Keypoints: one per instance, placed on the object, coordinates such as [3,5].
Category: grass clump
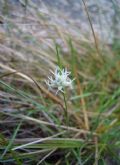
[33,128]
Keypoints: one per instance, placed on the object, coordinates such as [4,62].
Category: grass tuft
[32,125]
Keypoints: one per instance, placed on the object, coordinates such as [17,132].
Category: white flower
[60,80]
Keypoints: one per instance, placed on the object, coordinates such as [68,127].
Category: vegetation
[33,128]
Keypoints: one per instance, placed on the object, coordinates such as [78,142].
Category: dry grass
[30,113]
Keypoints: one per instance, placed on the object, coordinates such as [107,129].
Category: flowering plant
[60,80]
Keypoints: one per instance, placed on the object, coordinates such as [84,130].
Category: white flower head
[60,80]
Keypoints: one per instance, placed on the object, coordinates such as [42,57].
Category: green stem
[58,56]
[65,109]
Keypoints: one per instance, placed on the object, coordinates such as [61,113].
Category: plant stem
[65,109]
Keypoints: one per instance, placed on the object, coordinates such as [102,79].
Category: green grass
[33,128]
